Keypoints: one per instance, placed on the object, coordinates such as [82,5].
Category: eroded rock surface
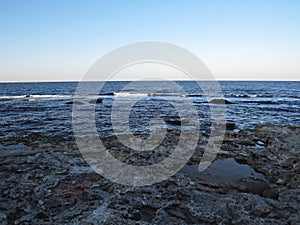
[47,181]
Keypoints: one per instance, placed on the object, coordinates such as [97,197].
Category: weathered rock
[183,213]
[46,181]
[253,186]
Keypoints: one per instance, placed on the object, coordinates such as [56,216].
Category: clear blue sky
[59,40]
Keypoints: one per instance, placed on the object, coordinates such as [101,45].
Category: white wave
[128,94]
[34,96]
[245,96]
[12,96]
[168,94]
[50,96]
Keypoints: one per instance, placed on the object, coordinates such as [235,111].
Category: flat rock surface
[254,180]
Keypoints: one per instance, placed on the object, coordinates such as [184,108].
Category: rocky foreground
[254,180]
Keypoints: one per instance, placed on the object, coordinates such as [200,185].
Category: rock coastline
[47,181]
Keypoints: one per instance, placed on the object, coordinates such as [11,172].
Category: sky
[238,40]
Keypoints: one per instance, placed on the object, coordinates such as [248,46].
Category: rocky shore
[254,180]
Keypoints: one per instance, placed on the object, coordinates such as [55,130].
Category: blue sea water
[41,107]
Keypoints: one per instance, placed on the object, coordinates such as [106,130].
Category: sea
[46,107]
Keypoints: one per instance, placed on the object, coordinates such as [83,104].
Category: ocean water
[41,107]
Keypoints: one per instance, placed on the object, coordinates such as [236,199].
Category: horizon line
[73,81]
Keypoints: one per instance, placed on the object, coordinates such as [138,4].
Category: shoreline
[46,181]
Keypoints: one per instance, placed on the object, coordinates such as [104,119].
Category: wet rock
[270,193]
[109,187]
[253,186]
[260,143]
[109,93]
[174,122]
[96,101]
[230,126]
[220,101]
[74,103]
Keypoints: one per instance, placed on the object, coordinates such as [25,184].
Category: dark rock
[41,215]
[50,183]
[183,213]
[256,187]
[147,213]
[74,103]
[174,122]
[247,142]
[270,193]
[230,126]
[253,186]
[220,101]
[108,187]
[109,93]
[195,95]
[137,215]
[96,101]
[84,196]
